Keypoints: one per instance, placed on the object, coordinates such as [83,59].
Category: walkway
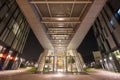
[98,75]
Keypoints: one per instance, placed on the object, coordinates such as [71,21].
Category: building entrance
[60,64]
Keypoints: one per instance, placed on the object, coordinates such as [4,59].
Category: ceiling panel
[60,20]
[77,10]
[42,8]
[60,10]
[61,17]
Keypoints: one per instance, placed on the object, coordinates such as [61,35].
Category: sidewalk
[105,75]
[13,72]
[22,74]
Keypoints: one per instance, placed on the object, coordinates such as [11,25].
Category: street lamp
[101,62]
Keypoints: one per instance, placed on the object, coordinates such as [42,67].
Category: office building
[107,30]
[14,30]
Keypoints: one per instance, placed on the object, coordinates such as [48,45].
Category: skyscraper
[107,31]
[14,30]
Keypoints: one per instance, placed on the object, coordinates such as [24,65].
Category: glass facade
[107,29]
[55,61]
[62,63]
[14,30]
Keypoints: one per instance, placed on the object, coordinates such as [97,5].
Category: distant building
[97,56]
[107,32]
[14,30]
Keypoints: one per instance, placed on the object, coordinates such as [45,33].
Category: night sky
[32,48]
[88,45]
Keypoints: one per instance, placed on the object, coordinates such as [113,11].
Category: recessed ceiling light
[60,19]
[59,40]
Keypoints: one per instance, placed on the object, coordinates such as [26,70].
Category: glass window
[16,13]
[22,26]
[12,9]
[3,11]
[117,15]
[19,19]
[18,33]
[10,3]
[2,2]
[1,48]
[15,43]
[5,34]
[15,28]
[118,11]
[112,23]
[11,22]
[10,38]
[4,21]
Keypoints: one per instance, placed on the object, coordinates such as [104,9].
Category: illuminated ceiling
[60,23]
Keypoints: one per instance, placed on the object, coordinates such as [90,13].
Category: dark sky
[88,45]
[32,48]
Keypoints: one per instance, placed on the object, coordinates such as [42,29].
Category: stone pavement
[98,75]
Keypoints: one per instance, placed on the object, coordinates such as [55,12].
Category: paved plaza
[23,75]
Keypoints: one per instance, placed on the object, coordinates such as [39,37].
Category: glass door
[60,63]
[49,64]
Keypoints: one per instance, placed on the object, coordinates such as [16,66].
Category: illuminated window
[15,28]
[118,11]
[112,23]
[1,47]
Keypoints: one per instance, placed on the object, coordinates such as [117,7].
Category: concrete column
[41,61]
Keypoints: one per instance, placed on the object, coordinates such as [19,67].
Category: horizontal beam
[55,18]
[60,2]
[60,45]
[60,22]
[63,28]
[60,33]
[59,40]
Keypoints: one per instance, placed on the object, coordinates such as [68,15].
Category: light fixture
[60,19]
[16,58]
[110,58]
[1,55]
[100,60]
[118,56]
[8,56]
[59,44]
[59,40]
[104,59]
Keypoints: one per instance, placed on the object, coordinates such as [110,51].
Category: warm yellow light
[8,56]
[16,58]
[1,55]
[118,56]
[59,40]
[60,19]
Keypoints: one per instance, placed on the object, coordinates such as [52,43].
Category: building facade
[60,61]
[107,32]
[14,30]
